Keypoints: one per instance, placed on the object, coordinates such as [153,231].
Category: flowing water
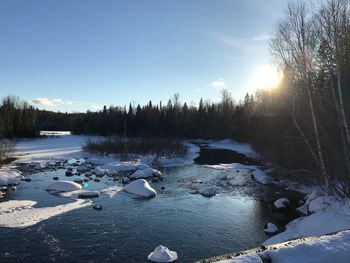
[127,229]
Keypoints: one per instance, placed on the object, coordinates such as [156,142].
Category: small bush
[7,150]
[167,147]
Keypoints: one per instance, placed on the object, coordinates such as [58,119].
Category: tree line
[303,125]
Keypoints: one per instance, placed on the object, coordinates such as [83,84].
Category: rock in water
[270,228]
[97,207]
[140,187]
[63,186]
[207,191]
[162,254]
[281,203]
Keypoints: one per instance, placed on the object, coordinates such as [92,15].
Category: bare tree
[294,45]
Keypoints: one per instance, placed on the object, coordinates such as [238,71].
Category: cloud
[217,84]
[48,102]
[238,42]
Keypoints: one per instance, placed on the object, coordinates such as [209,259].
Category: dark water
[128,229]
[216,156]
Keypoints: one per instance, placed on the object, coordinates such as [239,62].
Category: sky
[74,55]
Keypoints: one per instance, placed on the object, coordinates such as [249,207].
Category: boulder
[99,172]
[207,191]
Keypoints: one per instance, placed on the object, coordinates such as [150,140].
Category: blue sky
[73,55]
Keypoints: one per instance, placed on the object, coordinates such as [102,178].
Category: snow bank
[333,248]
[162,254]
[120,167]
[18,214]
[334,217]
[230,166]
[10,176]
[145,173]
[140,187]
[251,258]
[63,186]
[192,153]
[48,148]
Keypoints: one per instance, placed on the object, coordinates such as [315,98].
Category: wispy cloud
[238,42]
[217,84]
[50,102]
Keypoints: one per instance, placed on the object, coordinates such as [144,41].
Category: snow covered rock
[140,187]
[270,228]
[10,176]
[63,186]
[207,191]
[145,173]
[162,254]
[281,203]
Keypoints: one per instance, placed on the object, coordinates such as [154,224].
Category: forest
[302,125]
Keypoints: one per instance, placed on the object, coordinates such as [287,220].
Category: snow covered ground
[42,153]
[330,248]
[21,213]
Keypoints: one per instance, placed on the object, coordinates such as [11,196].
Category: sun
[267,77]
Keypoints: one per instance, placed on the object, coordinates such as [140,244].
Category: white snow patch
[334,217]
[63,186]
[111,190]
[251,258]
[145,173]
[18,214]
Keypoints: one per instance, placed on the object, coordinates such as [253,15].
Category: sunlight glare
[267,77]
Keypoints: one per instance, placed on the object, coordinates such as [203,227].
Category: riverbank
[41,160]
